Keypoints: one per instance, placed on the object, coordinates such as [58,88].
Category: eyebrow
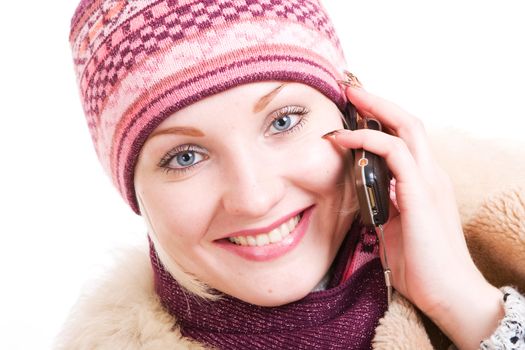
[266,99]
[181,130]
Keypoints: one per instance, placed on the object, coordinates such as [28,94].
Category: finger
[395,152]
[403,124]
[394,205]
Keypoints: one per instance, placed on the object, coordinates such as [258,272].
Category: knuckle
[413,127]
[398,145]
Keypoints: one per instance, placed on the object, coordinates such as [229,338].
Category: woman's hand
[427,252]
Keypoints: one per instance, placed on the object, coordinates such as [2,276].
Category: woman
[221,123]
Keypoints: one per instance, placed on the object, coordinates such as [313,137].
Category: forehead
[254,97]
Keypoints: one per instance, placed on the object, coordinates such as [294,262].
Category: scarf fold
[344,316]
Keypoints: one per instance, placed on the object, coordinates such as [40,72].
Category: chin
[277,296]
[272,299]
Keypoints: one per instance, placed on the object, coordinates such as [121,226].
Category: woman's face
[243,192]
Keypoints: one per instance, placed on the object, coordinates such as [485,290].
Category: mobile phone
[371,173]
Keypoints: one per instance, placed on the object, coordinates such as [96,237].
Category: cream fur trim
[496,238]
[401,328]
[123,312]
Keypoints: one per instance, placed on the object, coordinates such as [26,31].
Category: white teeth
[251,241]
[290,226]
[284,230]
[262,239]
[274,236]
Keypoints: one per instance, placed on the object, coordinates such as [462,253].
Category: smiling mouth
[274,236]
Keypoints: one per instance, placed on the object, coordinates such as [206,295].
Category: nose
[252,185]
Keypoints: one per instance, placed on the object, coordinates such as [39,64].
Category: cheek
[179,214]
[322,166]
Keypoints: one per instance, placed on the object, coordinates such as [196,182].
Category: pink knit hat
[137,62]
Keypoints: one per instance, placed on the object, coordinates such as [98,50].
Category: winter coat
[124,312]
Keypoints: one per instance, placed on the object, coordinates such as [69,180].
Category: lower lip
[272,250]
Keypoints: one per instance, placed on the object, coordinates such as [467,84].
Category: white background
[455,63]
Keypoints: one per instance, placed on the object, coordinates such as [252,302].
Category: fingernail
[351,80]
[330,135]
[344,82]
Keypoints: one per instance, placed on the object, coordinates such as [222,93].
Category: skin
[249,175]
[251,178]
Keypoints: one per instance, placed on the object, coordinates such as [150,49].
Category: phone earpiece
[350,114]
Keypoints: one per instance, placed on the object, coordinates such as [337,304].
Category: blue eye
[182,158]
[186,159]
[282,123]
[287,120]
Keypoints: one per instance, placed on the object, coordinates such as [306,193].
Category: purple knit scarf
[343,316]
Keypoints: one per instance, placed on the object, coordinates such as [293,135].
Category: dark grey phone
[372,175]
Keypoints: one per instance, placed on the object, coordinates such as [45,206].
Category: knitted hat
[137,62]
